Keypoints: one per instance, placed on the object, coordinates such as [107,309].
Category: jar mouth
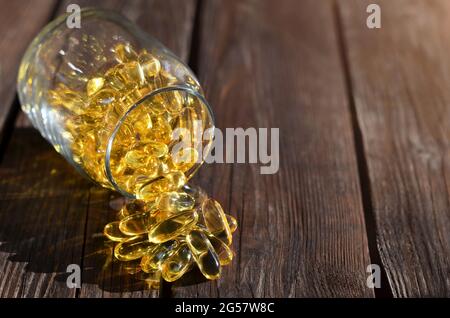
[181,88]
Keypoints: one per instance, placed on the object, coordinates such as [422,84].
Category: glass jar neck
[140,103]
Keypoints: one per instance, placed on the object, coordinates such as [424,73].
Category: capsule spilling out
[169,182]
[176,225]
[204,254]
[153,259]
[113,232]
[175,201]
[177,264]
[216,220]
[136,224]
[132,248]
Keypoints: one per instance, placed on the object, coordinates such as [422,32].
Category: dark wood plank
[19,23]
[39,245]
[43,208]
[301,231]
[51,217]
[400,78]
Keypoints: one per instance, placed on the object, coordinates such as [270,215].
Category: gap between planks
[385,290]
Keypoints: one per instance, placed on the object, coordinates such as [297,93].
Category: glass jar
[117,104]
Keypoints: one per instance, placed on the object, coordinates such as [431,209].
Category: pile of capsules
[173,233]
[171,226]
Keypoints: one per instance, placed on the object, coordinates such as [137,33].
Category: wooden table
[364,118]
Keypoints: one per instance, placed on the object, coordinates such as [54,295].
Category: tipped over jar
[117,104]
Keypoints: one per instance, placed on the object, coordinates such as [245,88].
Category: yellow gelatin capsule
[204,254]
[175,201]
[65,97]
[135,206]
[151,169]
[94,85]
[174,102]
[136,224]
[169,182]
[132,248]
[154,105]
[185,158]
[135,182]
[162,130]
[143,124]
[162,168]
[232,222]
[152,260]
[177,264]
[145,163]
[166,78]
[150,64]
[132,96]
[132,207]
[177,179]
[173,226]
[135,158]
[185,121]
[156,149]
[114,78]
[216,221]
[103,101]
[113,232]
[191,120]
[223,251]
[134,73]
[124,139]
[125,53]
[196,192]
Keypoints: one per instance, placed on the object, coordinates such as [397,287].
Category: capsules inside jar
[138,125]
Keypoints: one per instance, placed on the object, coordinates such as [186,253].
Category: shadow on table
[51,217]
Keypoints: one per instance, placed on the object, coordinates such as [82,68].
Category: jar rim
[120,122]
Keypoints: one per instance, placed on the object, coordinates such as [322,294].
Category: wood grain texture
[301,231]
[43,208]
[400,78]
[85,208]
[20,21]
